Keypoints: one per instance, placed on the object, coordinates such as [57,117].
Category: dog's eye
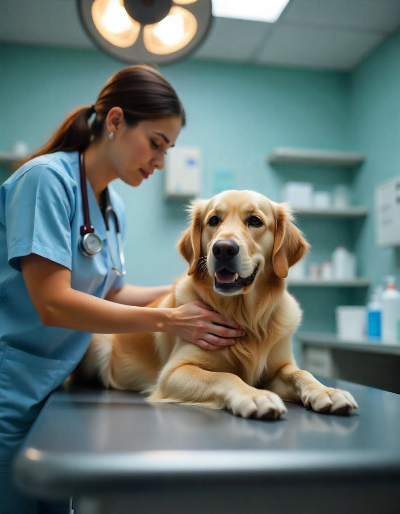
[253,221]
[213,221]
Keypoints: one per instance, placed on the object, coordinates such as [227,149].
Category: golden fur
[251,377]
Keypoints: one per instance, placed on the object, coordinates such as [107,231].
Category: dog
[239,247]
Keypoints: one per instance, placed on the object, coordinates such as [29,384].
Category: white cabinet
[387,208]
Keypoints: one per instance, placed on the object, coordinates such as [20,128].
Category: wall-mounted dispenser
[183,172]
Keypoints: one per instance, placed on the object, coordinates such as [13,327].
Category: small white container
[351,323]
[326,270]
[341,196]
[390,311]
[343,264]
[298,271]
[315,270]
[298,194]
[20,149]
[322,199]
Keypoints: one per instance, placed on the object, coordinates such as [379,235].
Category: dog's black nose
[225,250]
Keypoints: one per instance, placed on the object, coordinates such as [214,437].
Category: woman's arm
[49,287]
[136,295]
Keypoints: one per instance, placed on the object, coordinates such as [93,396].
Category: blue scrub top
[41,212]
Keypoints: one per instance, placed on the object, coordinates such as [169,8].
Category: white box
[322,199]
[387,213]
[298,271]
[183,172]
[351,322]
[298,194]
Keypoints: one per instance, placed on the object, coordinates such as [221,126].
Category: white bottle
[390,311]
[326,270]
[340,261]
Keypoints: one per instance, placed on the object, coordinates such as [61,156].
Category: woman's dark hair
[141,92]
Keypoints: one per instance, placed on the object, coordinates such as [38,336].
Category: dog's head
[238,235]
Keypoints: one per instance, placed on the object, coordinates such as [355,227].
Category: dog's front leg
[186,383]
[294,384]
[284,378]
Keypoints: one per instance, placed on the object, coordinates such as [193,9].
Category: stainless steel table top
[94,442]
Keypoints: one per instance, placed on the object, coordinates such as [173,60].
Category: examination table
[115,453]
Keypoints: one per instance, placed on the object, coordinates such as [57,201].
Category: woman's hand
[197,323]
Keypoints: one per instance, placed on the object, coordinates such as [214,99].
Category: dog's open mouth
[227,279]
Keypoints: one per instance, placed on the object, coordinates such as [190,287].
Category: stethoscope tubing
[87,230]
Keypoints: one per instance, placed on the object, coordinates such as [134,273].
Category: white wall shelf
[331,212]
[7,158]
[311,282]
[311,157]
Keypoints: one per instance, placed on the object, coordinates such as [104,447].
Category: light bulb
[114,23]
[172,33]
[170,30]
[115,18]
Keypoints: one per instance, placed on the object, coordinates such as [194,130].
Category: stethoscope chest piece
[90,244]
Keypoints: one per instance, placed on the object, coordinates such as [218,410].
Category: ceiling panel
[328,34]
[382,15]
[233,39]
[42,22]
[315,47]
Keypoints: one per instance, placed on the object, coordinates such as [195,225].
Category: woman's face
[136,152]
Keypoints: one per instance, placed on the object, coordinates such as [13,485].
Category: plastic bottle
[374,316]
[326,270]
[390,311]
[340,261]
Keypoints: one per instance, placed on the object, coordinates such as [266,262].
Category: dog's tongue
[225,276]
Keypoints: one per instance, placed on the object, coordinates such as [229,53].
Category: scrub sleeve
[38,220]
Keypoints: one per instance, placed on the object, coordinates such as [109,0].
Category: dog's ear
[289,243]
[190,243]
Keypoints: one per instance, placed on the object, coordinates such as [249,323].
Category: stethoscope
[90,243]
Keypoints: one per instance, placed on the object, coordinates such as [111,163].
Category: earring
[111,135]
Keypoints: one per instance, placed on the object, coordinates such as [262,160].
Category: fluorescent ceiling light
[257,10]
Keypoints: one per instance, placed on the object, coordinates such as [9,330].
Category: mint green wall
[236,114]
[375,121]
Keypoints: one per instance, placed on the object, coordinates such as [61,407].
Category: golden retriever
[239,247]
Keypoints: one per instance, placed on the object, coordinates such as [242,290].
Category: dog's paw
[258,404]
[329,400]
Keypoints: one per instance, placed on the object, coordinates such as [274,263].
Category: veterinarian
[62,229]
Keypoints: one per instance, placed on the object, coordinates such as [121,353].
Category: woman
[55,288]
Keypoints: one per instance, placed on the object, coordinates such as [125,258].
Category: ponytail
[73,134]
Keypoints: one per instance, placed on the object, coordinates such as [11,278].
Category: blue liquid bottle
[374,316]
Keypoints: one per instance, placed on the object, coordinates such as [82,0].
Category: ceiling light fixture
[146,31]
[256,10]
